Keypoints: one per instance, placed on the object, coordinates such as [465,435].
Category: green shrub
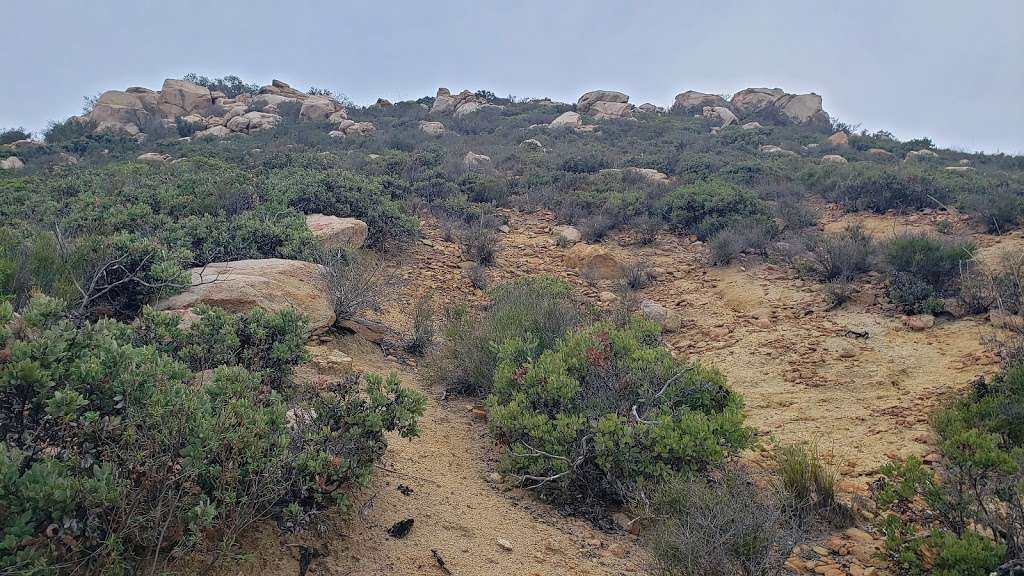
[999,212]
[423,326]
[607,409]
[721,526]
[537,307]
[706,208]
[9,135]
[924,268]
[116,458]
[874,187]
[976,506]
[356,282]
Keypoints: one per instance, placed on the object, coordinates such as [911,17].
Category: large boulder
[567,120]
[116,107]
[279,88]
[271,101]
[271,284]
[606,110]
[801,108]
[213,132]
[720,114]
[839,140]
[594,262]
[335,232]
[753,100]
[13,164]
[181,98]
[696,101]
[443,102]
[153,158]
[318,108]
[432,128]
[253,122]
[590,98]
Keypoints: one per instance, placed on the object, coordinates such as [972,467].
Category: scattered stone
[588,100]
[330,362]
[567,120]
[494,478]
[919,155]
[919,322]
[667,319]
[833,159]
[504,544]
[720,114]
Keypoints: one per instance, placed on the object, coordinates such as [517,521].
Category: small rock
[504,544]
[919,322]
[494,478]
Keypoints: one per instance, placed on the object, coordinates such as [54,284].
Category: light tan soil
[854,381]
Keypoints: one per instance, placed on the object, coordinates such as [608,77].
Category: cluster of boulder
[463,103]
[754,103]
[211,114]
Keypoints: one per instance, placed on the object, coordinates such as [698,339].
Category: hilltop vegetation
[139,439]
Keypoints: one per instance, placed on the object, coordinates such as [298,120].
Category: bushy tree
[606,409]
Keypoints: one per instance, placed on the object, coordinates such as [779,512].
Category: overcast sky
[946,69]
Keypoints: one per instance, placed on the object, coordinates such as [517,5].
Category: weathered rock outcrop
[720,114]
[696,101]
[181,98]
[587,101]
[13,163]
[335,232]
[432,128]
[271,284]
[567,120]
[460,105]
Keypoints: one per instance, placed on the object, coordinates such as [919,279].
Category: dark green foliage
[539,307]
[230,85]
[869,186]
[116,455]
[113,276]
[10,135]
[708,207]
[923,268]
[607,409]
[999,211]
[978,503]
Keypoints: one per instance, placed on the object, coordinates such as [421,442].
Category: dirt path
[457,510]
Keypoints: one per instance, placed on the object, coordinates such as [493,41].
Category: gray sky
[946,69]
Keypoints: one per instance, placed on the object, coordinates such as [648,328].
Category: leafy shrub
[735,239]
[10,135]
[721,526]
[637,274]
[923,268]
[114,459]
[480,243]
[707,207]
[113,276]
[840,256]
[999,212]
[356,282]
[423,326]
[606,409]
[978,504]
[232,86]
[537,307]
[869,186]
[594,228]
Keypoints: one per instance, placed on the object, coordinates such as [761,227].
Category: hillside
[255,330]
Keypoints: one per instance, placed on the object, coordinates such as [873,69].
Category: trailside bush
[841,256]
[540,308]
[115,456]
[923,268]
[706,207]
[874,187]
[607,409]
[722,525]
[976,506]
